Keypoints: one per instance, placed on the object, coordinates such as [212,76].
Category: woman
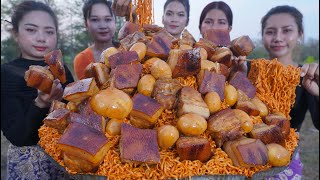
[176,16]
[282,32]
[100,23]
[23,108]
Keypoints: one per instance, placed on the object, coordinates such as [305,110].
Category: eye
[168,13]
[269,32]
[94,19]
[207,22]
[287,30]
[30,30]
[181,14]
[108,19]
[50,32]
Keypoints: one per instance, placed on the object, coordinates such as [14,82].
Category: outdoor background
[73,38]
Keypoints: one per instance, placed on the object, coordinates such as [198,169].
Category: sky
[247,15]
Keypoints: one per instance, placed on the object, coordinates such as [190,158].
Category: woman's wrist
[41,104]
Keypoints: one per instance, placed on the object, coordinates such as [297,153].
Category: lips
[40,48]
[103,33]
[173,26]
[277,48]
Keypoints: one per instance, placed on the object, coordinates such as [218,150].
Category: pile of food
[159,107]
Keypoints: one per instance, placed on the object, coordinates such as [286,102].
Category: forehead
[33,17]
[100,9]
[175,6]
[281,20]
[216,14]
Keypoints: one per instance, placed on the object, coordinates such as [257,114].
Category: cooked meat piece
[219,37]
[39,77]
[151,29]
[125,76]
[187,38]
[138,145]
[207,45]
[54,60]
[224,126]
[222,55]
[81,143]
[212,82]
[246,152]
[185,63]
[242,46]
[221,69]
[57,119]
[267,134]
[131,39]
[80,90]
[145,109]
[57,105]
[123,57]
[194,148]
[160,45]
[248,107]
[240,81]
[190,101]
[165,92]
[280,121]
[100,72]
[127,29]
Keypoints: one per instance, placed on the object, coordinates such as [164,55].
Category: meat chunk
[138,145]
[145,111]
[187,38]
[242,46]
[248,107]
[212,82]
[240,81]
[267,134]
[185,62]
[39,77]
[190,101]
[57,105]
[165,92]
[123,57]
[207,45]
[160,45]
[219,37]
[57,119]
[80,90]
[246,152]
[83,147]
[131,39]
[54,60]
[224,126]
[194,148]
[222,55]
[100,72]
[127,29]
[281,121]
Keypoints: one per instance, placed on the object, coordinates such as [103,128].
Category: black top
[304,101]
[20,118]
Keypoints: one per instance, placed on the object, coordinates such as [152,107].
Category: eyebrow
[173,11]
[33,25]
[98,16]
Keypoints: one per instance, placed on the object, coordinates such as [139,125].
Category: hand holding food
[310,74]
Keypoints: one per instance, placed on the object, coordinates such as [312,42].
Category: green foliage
[9,50]
[310,59]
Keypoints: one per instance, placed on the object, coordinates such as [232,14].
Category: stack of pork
[139,80]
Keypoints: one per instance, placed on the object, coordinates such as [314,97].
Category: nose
[41,37]
[277,37]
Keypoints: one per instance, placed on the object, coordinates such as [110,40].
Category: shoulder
[84,54]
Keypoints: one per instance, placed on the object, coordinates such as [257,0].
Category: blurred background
[73,38]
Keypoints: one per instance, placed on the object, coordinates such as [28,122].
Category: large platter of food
[159,107]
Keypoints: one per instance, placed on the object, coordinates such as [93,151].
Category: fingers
[311,71]
[121,7]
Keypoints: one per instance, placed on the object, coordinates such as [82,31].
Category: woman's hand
[44,100]
[310,74]
[121,7]
[239,64]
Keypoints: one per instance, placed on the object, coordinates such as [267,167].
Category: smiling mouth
[40,48]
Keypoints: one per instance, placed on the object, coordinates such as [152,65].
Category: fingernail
[302,74]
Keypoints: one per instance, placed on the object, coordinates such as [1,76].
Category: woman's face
[280,35]
[101,24]
[215,19]
[175,18]
[36,36]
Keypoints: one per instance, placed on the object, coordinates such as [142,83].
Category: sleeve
[19,123]
[80,63]
[313,106]
[69,76]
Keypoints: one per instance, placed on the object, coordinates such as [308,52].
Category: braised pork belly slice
[54,60]
[219,37]
[88,117]
[127,29]
[267,134]
[55,104]
[248,107]
[165,92]
[160,45]
[194,148]
[240,81]
[131,39]
[242,46]
[246,152]
[184,63]
[138,145]
[190,101]
[222,55]
[282,122]
[224,126]
[80,90]
[145,111]
[151,29]
[123,57]
[125,76]
[187,38]
[99,71]
[207,45]
[57,119]
[39,77]
[81,143]
[211,82]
